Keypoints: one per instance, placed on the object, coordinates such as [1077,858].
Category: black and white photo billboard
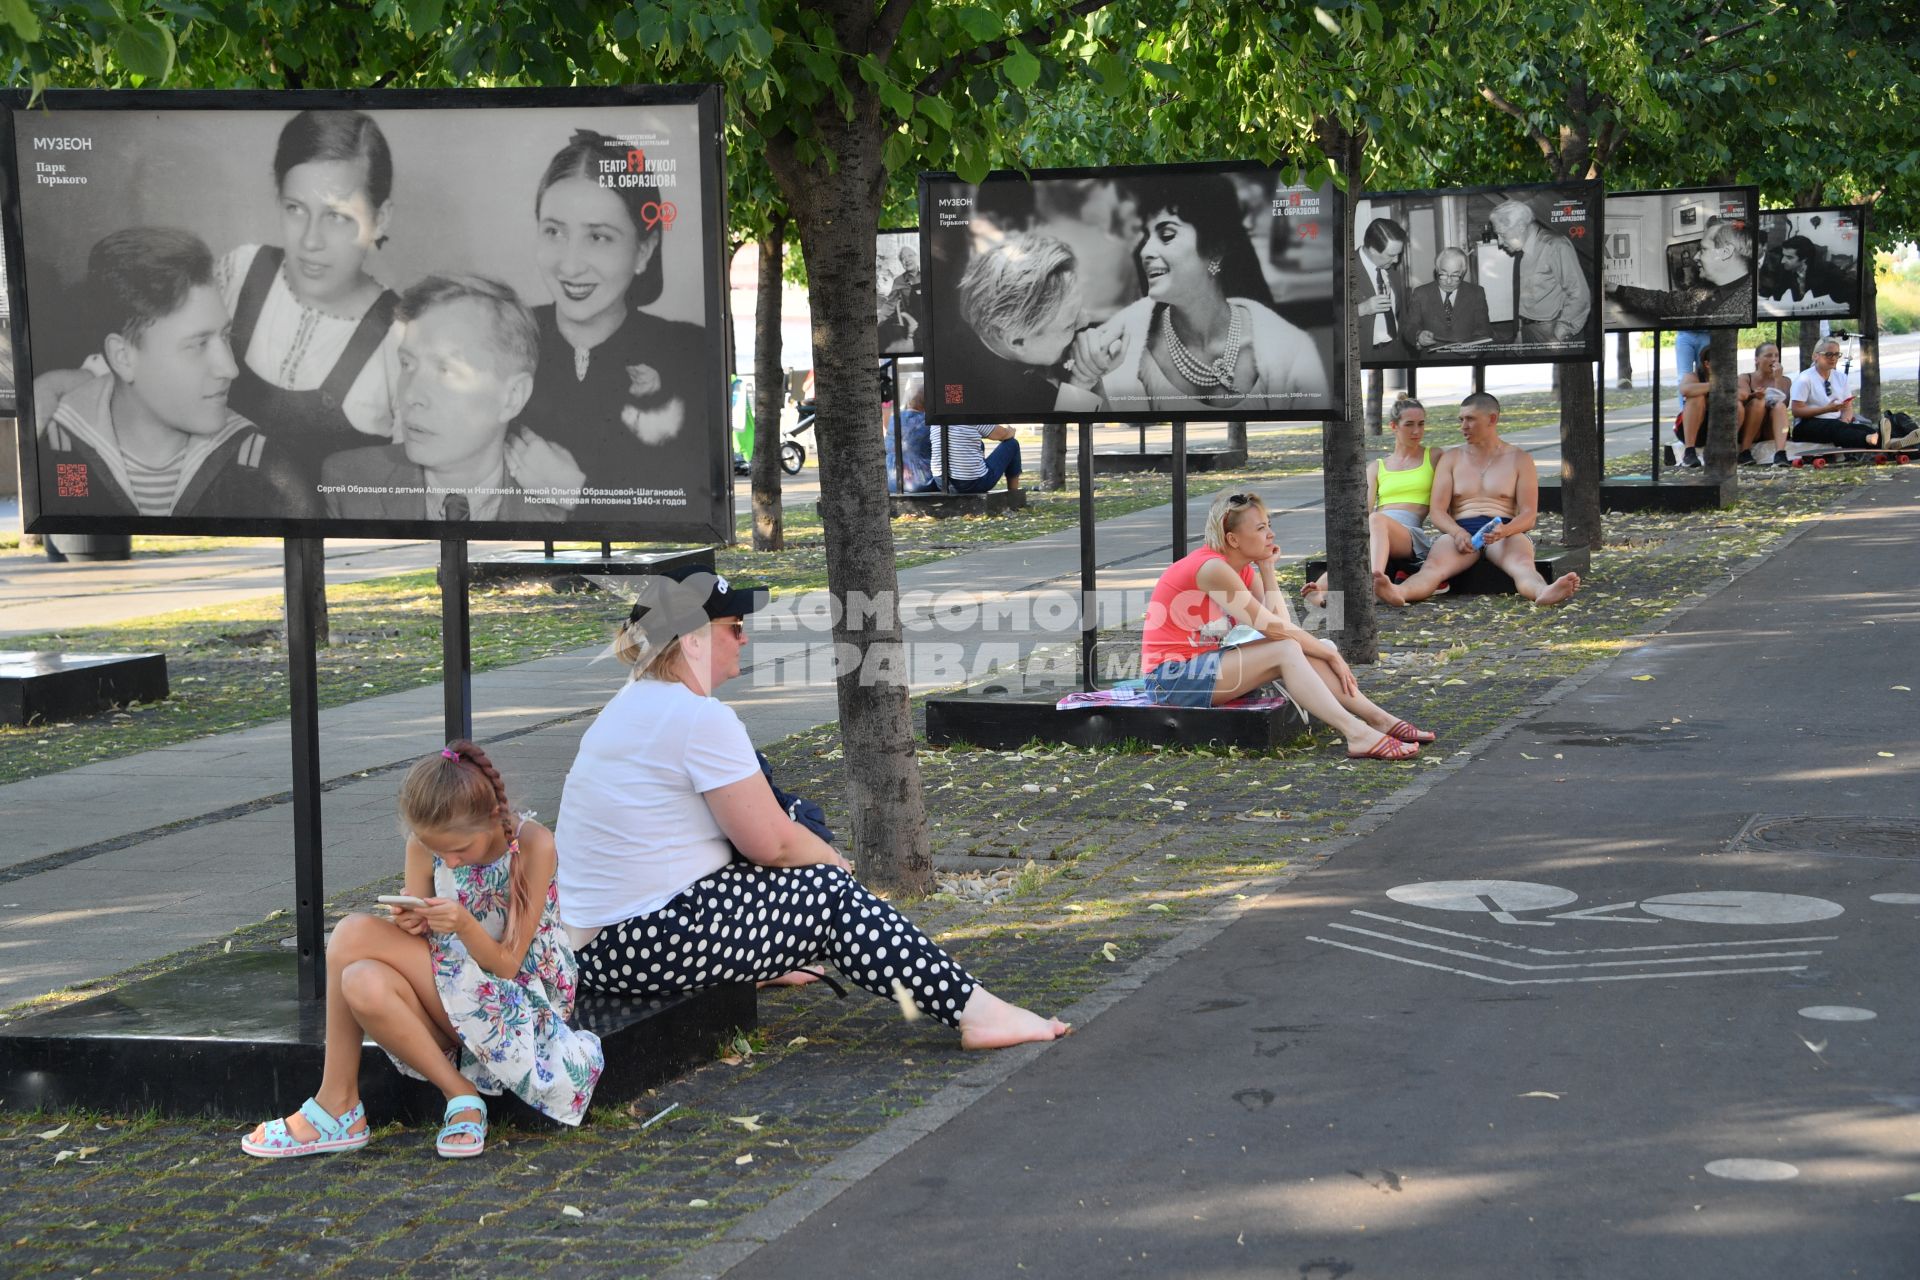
[1482,275]
[1131,295]
[903,298]
[1680,259]
[1810,263]
[495,312]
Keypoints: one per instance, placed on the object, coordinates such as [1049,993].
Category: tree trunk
[1376,400]
[1237,434]
[1579,455]
[1623,360]
[1343,448]
[1053,456]
[1723,409]
[835,202]
[1869,322]
[769,390]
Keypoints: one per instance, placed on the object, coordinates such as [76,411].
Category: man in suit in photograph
[1449,309]
[467,358]
[1376,264]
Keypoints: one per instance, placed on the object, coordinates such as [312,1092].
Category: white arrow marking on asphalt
[1898,899]
[1594,951]
[1600,913]
[1584,964]
[1545,982]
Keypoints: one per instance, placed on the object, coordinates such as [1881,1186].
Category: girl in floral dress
[470,992]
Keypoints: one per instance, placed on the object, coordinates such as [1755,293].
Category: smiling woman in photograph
[1205,335]
[617,387]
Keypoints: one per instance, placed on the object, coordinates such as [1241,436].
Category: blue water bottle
[1479,539]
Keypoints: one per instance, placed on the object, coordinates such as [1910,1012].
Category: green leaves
[1022,68]
[145,49]
[16,15]
[423,16]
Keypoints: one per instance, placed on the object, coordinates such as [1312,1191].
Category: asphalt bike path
[1630,996]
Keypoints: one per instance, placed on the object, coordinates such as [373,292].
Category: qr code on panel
[956,393]
[71,478]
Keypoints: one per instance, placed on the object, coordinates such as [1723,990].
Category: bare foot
[1385,592]
[1316,593]
[1559,591]
[792,978]
[988,1022]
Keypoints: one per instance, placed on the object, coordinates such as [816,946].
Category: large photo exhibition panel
[485,314]
[1682,259]
[901,293]
[1483,275]
[1132,295]
[1811,262]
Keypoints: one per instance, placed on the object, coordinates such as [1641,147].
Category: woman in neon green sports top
[1399,487]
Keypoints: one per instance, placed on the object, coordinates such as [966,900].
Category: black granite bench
[229,1036]
[1005,713]
[1133,460]
[939,506]
[571,570]
[44,688]
[1483,577]
[1674,491]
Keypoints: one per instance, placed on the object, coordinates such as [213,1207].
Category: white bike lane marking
[1502,900]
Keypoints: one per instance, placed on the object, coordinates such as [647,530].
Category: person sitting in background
[468,352]
[1822,403]
[153,436]
[1449,309]
[960,456]
[1231,580]
[1399,487]
[1763,404]
[1725,291]
[1695,387]
[915,470]
[1489,488]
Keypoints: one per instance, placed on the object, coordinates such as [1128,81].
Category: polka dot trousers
[747,923]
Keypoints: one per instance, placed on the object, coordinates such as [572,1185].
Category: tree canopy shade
[833,97]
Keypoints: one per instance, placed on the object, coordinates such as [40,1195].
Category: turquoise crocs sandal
[455,1129]
[332,1134]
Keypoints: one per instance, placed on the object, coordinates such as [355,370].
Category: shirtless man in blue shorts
[1472,484]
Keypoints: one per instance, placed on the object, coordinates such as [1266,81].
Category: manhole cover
[1845,837]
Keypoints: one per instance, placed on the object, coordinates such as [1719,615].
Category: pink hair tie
[449,753]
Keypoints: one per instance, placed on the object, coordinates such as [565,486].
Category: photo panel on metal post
[902,294]
[1680,259]
[1811,262]
[445,314]
[1139,294]
[8,405]
[1478,275]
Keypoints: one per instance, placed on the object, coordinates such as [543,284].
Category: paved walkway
[113,864]
[1627,997]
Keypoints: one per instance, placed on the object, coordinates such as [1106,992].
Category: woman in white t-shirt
[678,868]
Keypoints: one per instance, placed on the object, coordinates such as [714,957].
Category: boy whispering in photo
[153,436]
[468,352]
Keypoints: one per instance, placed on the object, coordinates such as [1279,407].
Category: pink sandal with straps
[1387,748]
[1407,733]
